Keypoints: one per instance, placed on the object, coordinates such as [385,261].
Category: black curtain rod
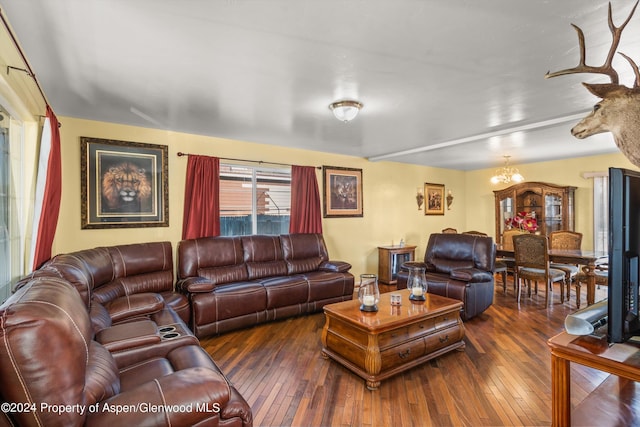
[181,154]
[28,69]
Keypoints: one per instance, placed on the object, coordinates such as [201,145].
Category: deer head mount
[619,110]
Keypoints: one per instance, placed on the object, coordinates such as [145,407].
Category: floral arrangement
[525,221]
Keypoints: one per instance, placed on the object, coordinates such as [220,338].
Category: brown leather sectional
[459,266]
[235,282]
[99,337]
[102,337]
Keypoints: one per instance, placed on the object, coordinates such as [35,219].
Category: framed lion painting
[123,184]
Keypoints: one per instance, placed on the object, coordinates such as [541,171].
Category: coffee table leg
[373,385]
[372,361]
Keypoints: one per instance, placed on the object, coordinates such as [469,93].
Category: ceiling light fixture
[345,110]
[506,174]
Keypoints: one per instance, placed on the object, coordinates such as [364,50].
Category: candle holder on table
[368,293]
[416,283]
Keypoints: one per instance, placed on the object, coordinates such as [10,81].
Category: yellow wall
[480,200]
[390,209]
[389,189]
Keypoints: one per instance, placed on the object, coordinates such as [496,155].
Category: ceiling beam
[480,136]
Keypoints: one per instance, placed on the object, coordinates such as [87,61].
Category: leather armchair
[459,266]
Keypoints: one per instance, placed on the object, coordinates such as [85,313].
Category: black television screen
[624,249]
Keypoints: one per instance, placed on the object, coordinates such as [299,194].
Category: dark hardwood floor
[501,378]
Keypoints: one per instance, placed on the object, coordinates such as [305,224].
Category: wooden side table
[390,259]
[621,359]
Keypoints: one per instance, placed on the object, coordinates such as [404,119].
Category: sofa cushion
[228,301]
[285,291]
[84,269]
[447,252]
[141,258]
[263,256]
[218,259]
[101,378]
[303,252]
[157,281]
[326,285]
[471,275]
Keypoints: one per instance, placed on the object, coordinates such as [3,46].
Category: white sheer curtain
[601,213]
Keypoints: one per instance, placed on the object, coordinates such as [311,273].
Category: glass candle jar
[368,293]
[417,283]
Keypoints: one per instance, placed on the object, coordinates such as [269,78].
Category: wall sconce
[420,197]
[449,199]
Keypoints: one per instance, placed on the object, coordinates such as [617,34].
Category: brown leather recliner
[55,374]
[459,266]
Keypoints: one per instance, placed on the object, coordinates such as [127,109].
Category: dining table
[588,259]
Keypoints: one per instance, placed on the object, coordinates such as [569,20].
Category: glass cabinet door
[507,212]
[553,212]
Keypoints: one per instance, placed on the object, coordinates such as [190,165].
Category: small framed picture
[342,192]
[434,198]
[123,184]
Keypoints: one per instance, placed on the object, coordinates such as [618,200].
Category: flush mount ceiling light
[345,110]
[506,174]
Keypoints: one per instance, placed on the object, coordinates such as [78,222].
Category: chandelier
[506,174]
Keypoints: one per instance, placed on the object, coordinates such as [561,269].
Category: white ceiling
[437,78]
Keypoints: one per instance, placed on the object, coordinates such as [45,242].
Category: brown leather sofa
[458,266]
[235,282]
[54,373]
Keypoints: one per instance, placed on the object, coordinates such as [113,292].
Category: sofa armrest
[335,266]
[195,285]
[185,397]
[413,264]
[129,335]
[135,305]
[471,275]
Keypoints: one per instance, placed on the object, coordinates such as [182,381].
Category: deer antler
[605,68]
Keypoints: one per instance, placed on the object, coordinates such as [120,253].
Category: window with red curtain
[201,198]
[306,216]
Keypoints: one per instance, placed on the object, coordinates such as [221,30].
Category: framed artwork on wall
[123,184]
[342,192]
[434,195]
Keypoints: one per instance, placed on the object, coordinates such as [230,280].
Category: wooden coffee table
[394,339]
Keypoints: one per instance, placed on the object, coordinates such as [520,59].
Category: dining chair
[531,253]
[570,240]
[507,261]
[450,230]
[601,276]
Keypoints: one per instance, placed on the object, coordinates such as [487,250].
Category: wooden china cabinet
[553,206]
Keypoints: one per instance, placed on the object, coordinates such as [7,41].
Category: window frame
[256,173]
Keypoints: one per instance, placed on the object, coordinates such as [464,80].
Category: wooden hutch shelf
[553,206]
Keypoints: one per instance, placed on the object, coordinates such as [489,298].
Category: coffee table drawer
[402,354]
[411,350]
[416,330]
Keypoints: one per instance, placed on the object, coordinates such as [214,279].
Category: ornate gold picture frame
[342,192]
[434,199]
[123,184]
